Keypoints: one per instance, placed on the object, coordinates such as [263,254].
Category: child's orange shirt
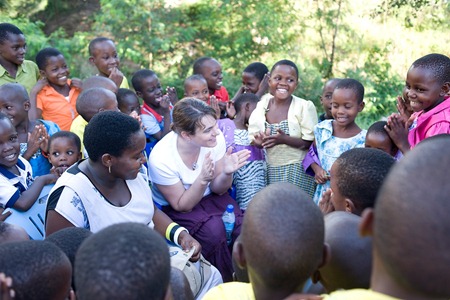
[56,108]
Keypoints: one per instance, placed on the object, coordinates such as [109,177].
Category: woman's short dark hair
[109,132]
[188,114]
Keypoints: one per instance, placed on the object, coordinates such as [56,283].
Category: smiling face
[13,48]
[423,90]
[56,70]
[63,152]
[151,91]
[14,104]
[128,165]
[105,57]
[283,82]
[206,135]
[250,82]
[9,144]
[345,106]
[197,89]
[212,71]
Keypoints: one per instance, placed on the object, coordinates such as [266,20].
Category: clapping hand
[234,161]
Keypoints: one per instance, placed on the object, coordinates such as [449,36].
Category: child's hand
[58,171]
[4,216]
[234,161]
[263,85]
[35,138]
[320,175]
[116,76]
[272,140]
[49,178]
[231,111]
[39,85]
[325,204]
[44,139]
[172,93]
[259,139]
[164,103]
[398,132]
[6,290]
[214,103]
[76,82]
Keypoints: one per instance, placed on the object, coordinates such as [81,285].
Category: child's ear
[445,89]
[26,105]
[239,255]
[366,224]
[92,60]
[361,106]
[139,94]
[349,206]
[247,106]
[80,155]
[42,73]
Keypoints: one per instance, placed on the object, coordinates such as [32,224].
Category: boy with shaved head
[410,228]
[280,245]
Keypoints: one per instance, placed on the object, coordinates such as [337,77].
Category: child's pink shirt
[433,122]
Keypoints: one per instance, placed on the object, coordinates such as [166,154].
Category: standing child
[54,97]
[283,124]
[195,86]
[128,102]
[32,135]
[13,65]
[211,70]
[427,88]
[325,99]
[156,112]
[251,178]
[333,137]
[255,78]
[103,55]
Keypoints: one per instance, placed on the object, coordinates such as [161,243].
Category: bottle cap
[230,208]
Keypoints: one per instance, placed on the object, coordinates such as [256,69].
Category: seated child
[14,68]
[39,270]
[138,272]
[378,138]
[156,111]
[18,188]
[355,179]
[69,241]
[195,86]
[211,70]
[409,228]
[56,95]
[32,135]
[427,89]
[350,262]
[325,99]
[12,233]
[103,55]
[249,179]
[89,103]
[128,102]
[64,150]
[296,227]
[255,80]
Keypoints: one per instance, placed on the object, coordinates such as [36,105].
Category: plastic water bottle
[228,219]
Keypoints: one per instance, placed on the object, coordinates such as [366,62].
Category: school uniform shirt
[11,185]
[57,108]
[27,75]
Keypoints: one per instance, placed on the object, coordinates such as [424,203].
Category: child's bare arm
[214,103]
[28,197]
[263,85]
[36,113]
